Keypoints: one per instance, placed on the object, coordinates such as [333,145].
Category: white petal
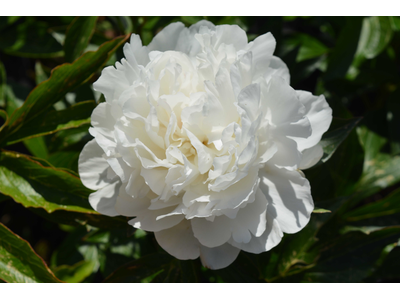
[311,156]
[289,195]
[219,257]
[269,239]
[280,102]
[103,201]
[212,234]
[102,119]
[319,114]
[147,220]
[287,154]
[249,100]
[135,53]
[277,68]
[129,206]
[167,38]
[262,47]
[113,81]
[179,241]
[93,167]
[252,217]
[231,35]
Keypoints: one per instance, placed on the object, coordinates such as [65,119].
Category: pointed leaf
[388,206]
[19,262]
[331,140]
[33,185]
[53,121]
[63,79]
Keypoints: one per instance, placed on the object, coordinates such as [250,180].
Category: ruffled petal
[93,167]
[103,201]
[319,114]
[148,220]
[311,156]
[289,196]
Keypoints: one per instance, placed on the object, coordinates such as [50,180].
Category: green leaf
[30,39]
[331,140]
[141,268]
[343,53]
[124,24]
[388,206]
[321,210]
[381,170]
[375,35]
[310,47]
[395,23]
[351,257]
[76,273]
[7,21]
[33,185]
[78,36]
[295,249]
[19,262]
[393,121]
[63,79]
[4,116]
[37,147]
[53,121]
[40,74]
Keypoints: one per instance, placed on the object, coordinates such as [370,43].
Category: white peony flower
[202,139]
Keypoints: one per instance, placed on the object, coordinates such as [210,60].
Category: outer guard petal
[212,234]
[93,167]
[269,239]
[319,114]
[311,156]
[104,200]
[289,197]
[179,241]
[218,257]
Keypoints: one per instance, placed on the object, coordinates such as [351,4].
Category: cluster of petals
[201,140]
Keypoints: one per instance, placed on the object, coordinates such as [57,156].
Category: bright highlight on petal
[201,141]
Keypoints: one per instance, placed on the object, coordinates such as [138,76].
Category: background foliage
[49,233]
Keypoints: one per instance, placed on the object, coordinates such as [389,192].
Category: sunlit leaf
[64,78]
[375,35]
[75,273]
[19,262]
[71,117]
[30,183]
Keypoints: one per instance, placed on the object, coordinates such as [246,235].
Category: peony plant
[202,140]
